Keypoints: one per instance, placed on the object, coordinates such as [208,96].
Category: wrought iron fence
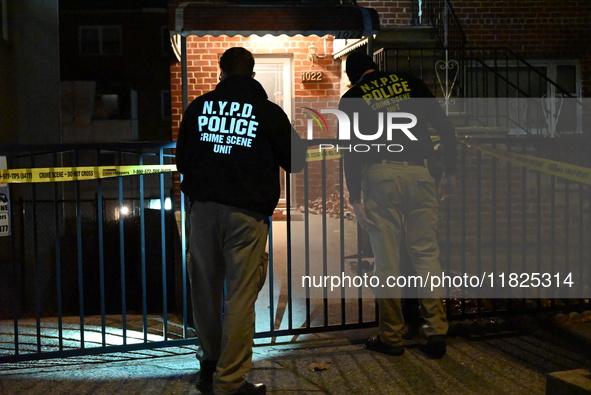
[492,88]
[83,251]
[99,266]
[440,15]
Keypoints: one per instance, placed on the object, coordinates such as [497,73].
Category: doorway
[274,74]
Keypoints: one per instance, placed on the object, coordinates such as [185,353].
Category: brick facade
[540,29]
[392,13]
[203,73]
[203,70]
[534,29]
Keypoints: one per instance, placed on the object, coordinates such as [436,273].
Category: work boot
[252,389]
[205,379]
[375,344]
[436,346]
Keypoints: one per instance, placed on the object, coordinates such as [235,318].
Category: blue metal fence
[82,252]
[100,266]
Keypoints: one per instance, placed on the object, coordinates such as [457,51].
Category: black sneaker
[205,379]
[375,344]
[436,346]
[251,389]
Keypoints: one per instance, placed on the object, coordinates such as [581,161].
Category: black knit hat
[358,63]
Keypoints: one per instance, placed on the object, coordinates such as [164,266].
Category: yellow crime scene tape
[82,173]
[315,154]
[560,169]
[59,174]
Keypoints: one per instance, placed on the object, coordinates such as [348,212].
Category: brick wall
[541,29]
[203,75]
[533,29]
[392,13]
[203,70]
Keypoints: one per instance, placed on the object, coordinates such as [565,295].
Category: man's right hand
[364,222]
[447,188]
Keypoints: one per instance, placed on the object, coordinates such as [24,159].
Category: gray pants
[227,248]
[401,200]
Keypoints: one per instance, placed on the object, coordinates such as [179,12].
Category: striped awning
[216,19]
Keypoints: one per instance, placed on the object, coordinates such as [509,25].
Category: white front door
[274,74]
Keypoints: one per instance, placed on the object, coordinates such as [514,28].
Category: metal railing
[99,266]
[452,71]
[500,72]
[483,80]
[80,277]
[83,251]
[440,15]
[507,216]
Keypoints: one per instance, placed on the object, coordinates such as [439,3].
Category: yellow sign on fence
[315,154]
[4,204]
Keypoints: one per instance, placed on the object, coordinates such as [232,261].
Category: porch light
[313,53]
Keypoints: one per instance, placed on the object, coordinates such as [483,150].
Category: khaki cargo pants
[401,200]
[227,248]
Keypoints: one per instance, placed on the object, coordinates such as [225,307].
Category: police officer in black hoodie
[393,194]
[232,142]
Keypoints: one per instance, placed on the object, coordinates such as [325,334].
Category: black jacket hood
[241,86]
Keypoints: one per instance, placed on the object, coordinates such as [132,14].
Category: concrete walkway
[331,363]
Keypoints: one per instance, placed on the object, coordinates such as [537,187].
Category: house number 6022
[312,76]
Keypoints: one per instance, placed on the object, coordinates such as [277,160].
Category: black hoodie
[231,144]
[374,95]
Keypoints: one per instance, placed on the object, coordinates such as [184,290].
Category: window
[536,106]
[100,40]
[514,80]
[566,76]
[106,106]
[561,115]
[114,102]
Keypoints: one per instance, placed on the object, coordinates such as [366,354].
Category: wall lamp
[313,53]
